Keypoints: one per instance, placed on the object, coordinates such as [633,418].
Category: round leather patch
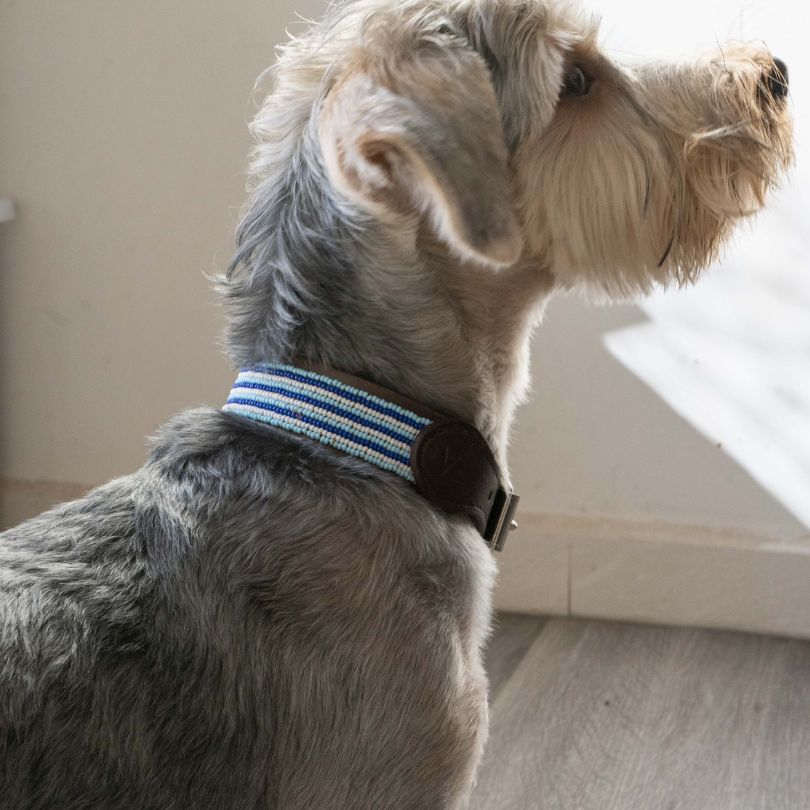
[455,469]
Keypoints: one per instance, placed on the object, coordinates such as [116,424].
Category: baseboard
[606,568]
[657,572]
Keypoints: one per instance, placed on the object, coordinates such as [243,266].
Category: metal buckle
[500,519]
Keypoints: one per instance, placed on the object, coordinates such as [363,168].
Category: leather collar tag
[454,469]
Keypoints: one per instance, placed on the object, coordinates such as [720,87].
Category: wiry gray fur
[254,621]
[237,625]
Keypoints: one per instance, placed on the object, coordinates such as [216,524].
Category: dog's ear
[425,134]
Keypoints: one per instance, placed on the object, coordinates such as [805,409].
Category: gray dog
[267,617]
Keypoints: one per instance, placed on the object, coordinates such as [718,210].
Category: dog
[258,618]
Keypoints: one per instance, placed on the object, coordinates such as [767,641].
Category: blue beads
[347,391]
[328,411]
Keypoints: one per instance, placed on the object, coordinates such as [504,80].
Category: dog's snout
[777,79]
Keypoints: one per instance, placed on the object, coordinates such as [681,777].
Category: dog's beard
[644,185]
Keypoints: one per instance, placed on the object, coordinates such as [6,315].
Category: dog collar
[447,460]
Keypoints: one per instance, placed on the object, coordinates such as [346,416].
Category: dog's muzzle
[447,460]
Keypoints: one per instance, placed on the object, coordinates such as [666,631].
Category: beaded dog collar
[447,460]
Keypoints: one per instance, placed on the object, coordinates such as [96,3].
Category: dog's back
[193,635]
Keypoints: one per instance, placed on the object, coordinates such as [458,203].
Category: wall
[123,145]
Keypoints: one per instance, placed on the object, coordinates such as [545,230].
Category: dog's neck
[447,460]
[385,303]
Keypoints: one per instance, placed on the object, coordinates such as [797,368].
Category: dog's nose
[777,80]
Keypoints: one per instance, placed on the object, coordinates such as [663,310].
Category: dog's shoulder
[292,521]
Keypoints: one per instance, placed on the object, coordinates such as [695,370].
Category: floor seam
[568,595]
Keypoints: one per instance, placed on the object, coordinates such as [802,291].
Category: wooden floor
[599,716]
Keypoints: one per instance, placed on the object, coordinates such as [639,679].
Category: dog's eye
[577,83]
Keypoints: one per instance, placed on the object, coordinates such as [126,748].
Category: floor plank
[601,716]
[513,635]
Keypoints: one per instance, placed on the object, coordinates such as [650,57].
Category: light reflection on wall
[732,356]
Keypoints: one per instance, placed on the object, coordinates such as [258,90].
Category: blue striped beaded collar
[330,411]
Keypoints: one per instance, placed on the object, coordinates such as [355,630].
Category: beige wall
[123,145]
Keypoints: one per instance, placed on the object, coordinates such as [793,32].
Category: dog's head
[437,166]
[511,132]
